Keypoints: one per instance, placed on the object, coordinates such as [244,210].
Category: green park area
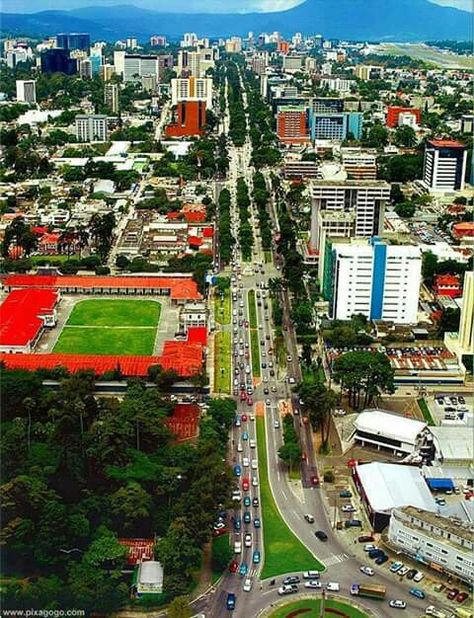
[255,353]
[110,326]
[252,309]
[284,553]
[222,364]
[222,307]
[311,608]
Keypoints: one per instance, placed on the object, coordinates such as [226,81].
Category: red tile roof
[446,143]
[184,421]
[138,549]
[194,216]
[194,241]
[19,315]
[208,232]
[464,228]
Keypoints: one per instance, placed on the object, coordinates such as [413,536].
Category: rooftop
[439,521]
[454,442]
[446,143]
[389,425]
[20,320]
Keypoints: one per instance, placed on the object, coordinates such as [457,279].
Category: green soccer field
[110,326]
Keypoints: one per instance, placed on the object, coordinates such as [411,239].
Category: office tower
[131,43]
[26,91]
[263,86]
[84,68]
[74,40]
[375,279]
[106,71]
[134,66]
[337,84]
[259,63]
[466,322]
[318,41]
[444,167]
[158,40]
[292,125]
[292,64]
[367,71]
[190,119]
[191,88]
[336,126]
[190,62]
[325,105]
[397,115]
[91,128]
[111,97]
[347,208]
[57,60]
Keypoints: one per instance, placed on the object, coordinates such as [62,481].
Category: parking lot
[450,406]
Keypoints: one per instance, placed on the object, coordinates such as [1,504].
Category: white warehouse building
[384,430]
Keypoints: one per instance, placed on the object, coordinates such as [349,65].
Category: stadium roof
[388,486]
[19,315]
[380,423]
[181,288]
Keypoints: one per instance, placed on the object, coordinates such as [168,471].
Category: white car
[247,587]
[366,570]
[311,575]
[245,462]
[276,424]
[333,586]
[418,577]
[248,540]
[370,547]
[254,481]
[239,447]
[313,583]
[254,464]
[403,571]
[348,508]
[237,547]
[252,444]
[237,495]
[397,604]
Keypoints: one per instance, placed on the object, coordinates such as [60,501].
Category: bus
[371,591]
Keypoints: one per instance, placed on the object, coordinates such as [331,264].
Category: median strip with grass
[284,552]
[255,353]
[222,365]
[252,309]
[426,412]
[222,307]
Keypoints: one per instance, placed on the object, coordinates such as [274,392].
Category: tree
[405,136]
[221,555]
[429,267]
[449,321]
[290,453]
[406,210]
[377,136]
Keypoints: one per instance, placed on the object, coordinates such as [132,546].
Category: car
[237,470]
[256,522]
[247,587]
[431,610]
[461,400]
[237,523]
[353,523]
[237,547]
[247,517]
[411,573]
[244,569]
[254,464]
[276,424]
[220,525]
[230,601]
[440,501]
[381,559]
[314,480]
[248,540]
[452,594]
[418,577]
[237,420]
[375,553]
[309,518]
[366,570]
[416,592]
[252,444]
[245,436]
[233,566]
[245,462]
[247,501]
[256,557]
[289,359]
[237,495]
[403,571]
[254,481]
[266,391]
[244,418]
[345,493]
[461,597]
[333,586]
[287,589]
[255,502]
[311,575]
[321,535]
[365,538]
[395,566]
[245,483]
[397,604]
[291,579]
[370,547]
[268,402]
[240,448]
[313,583]
[348,508]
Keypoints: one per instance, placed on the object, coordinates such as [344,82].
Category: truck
[371,591]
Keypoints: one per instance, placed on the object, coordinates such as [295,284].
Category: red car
[233,566]
[246,485]
[314,480]
[452,594]
[219,532]
[243,396]
[244,418]
[303,456]
[462,596]
[249,401]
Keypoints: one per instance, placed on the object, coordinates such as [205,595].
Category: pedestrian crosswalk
[335,559]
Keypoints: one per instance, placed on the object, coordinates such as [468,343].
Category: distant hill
[384,20]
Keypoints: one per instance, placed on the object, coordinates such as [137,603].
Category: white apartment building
[91,128]
[444,167]
[358,164]
[377,280]
[446,544]
[111,97]
[134,66]
[337,84]
[347,208]
[26,91]
[191,89]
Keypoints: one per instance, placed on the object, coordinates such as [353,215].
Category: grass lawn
[254,343]
[268,257]
[222,308]
[252,309]
[115,312]
[219,543]
[99,340]
[313,607]
[52,259]
[222,365]
[284,553]
[426,412]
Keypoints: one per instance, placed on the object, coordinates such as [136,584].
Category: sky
[185,6]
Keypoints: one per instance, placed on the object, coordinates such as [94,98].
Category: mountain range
[371,20]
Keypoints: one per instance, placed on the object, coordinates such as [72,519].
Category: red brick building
[190,119]
[394,111]
[292,125]
[448,285]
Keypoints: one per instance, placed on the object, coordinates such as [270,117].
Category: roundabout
[311,608]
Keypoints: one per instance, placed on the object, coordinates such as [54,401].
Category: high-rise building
[149,83]
[292,64]
[189,39]
[57,60]
[336,127]
[74,40]
[347,208]
[444,167]
[111,97]
[233,45]
[395,111]
[358,164]
[131,43]
[84,68]
[466,322]
[191,89]
[26,91]
[292,125]
[368,71]
[91,128]
[259,63]
[134,66]
[106,71]
[375,279]
[190,119]
[326,105]
[158,40]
